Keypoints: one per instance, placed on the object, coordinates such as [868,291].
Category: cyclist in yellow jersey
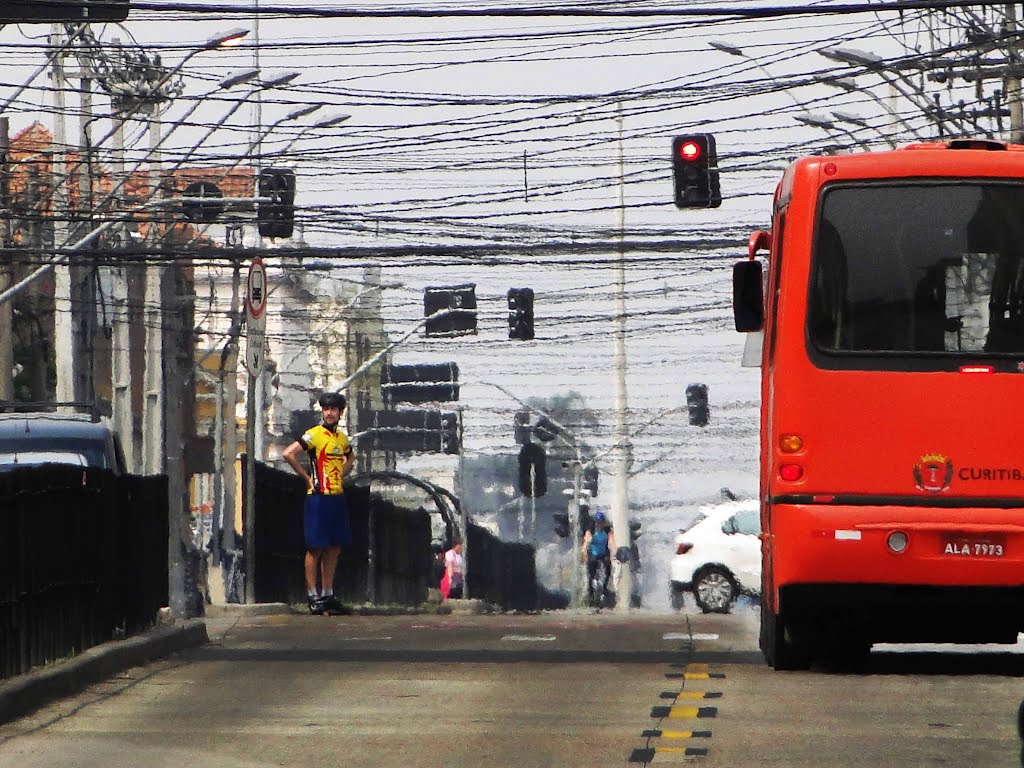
[325,517]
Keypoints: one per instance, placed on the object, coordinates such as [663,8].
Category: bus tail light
[791,472]
[897,542]
[791,443]
[683,548]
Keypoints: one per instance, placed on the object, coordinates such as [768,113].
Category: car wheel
[714,590]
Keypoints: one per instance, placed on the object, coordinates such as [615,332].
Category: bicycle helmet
[332,400]
[599,517]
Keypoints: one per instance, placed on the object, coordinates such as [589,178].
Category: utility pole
[1013,96]
[153,375]
[84,287]
[620,487]
[120,352]
[6,312]
[576,591]
[63,322]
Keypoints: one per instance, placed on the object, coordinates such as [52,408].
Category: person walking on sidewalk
[454,570]
[325,517]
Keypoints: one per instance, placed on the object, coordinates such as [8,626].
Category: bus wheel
[780,648]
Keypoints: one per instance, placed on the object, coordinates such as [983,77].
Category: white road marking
[529,638]
[688,636]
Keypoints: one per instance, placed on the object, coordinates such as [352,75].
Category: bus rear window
[919,270]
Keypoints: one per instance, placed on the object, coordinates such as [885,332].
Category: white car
[719,557]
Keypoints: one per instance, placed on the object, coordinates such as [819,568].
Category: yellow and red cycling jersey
[327,451]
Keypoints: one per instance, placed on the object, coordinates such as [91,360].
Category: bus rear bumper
[958,576]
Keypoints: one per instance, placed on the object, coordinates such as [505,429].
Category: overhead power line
[570,11]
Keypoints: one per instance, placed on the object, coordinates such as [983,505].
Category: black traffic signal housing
[590,475]
[276,218]
[451,433]
[533,475]
[561,524]
[458,297]
[697,405]
[520,313]
[695,171]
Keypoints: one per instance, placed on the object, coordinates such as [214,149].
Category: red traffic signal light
[690,151]
[695,171]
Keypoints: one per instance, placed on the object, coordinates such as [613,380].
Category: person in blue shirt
[598,545]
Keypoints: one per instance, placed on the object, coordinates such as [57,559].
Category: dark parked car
[28,439]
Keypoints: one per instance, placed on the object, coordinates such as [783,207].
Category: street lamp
[238,78]
[735,50]
[225,39]
[871,62]
[277,82]
[819,121]
[330,122]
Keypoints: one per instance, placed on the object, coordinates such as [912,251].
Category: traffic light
[561,523]
[697,404]
[458,297]
[520,315]
[590,475]
[533,475]
[276,218]
[451,433]
[695,171]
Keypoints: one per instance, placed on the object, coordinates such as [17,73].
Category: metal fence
[83,559]
[398,569]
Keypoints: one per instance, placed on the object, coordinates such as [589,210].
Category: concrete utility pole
[120,348]
[64,333]
[6,312]
[620,487]
[153,375]
[1013,95]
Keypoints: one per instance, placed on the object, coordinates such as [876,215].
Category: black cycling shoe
[333,607]
[317,606]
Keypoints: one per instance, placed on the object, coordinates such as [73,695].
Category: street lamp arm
[359,372]
[53,261]
[561,427]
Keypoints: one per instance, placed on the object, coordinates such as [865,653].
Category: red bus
[892,399]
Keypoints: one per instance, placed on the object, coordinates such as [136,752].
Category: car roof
[720,511]
[20,425]
[726,508]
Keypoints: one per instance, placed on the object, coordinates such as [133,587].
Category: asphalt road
[556,689]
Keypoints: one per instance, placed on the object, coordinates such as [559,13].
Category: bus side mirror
[747,301]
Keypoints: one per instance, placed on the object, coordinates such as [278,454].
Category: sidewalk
[24,693]
[34,689]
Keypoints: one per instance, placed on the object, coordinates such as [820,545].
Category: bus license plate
[974,546]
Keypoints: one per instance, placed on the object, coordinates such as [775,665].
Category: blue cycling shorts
[325,521]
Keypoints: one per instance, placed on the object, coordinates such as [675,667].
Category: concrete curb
[32,690]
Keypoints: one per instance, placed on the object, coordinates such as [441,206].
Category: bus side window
[827,314]
[774,287]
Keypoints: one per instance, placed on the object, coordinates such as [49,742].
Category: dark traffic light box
[520,313]
[420,383]
[457,297]
[47,11]
[695,171]
[276,216]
